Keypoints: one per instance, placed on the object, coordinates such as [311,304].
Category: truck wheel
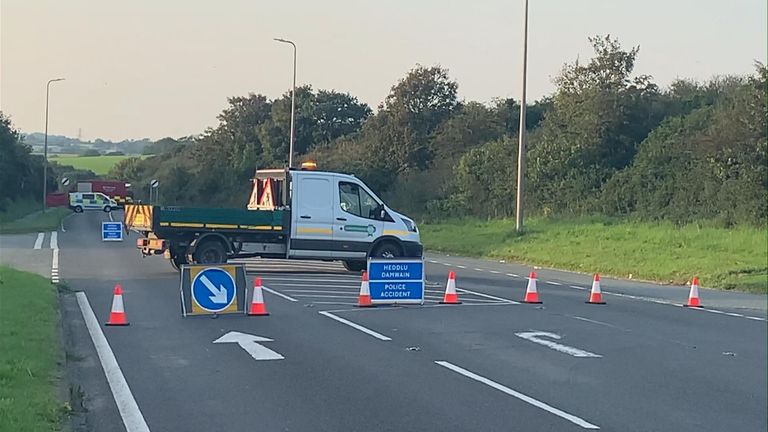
[177,261]
[355,266]
[387,250]
[107,209]
[78,209]
[210,252]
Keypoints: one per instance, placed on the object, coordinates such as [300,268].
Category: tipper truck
[292,214]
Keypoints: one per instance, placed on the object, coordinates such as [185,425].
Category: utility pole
[45,145]
[293,102]
[521,134]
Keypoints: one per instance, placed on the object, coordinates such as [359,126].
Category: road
[489,364]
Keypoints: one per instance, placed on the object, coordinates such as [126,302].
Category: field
[98,164]
[30,353]
[34,222]
[734,258]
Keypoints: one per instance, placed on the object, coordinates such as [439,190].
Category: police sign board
[207,290]
[393,281]
[111,231]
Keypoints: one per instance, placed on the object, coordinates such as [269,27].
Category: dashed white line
[734,314]
[461,266]
[39,241]
[279,294]
[754,318]
[478,269]
[577,287]
[55,267]
[318,291]
[486,296]
[355,326]
[284,284]
[325,296]
[553,283]
[591,321]
[433,261]
[513,275]
[126,404]
[504,389]
[494,271]
[54,240]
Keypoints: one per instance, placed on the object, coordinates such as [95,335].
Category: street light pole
[45,145]
[521,133]
[293,102]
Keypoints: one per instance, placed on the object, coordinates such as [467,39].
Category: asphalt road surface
[639,363]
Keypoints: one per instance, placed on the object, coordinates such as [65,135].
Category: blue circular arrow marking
[213,289]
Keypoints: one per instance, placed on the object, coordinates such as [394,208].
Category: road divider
[525,398]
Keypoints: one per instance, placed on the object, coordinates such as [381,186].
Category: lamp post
[45,145]
[293,101]
[521,134]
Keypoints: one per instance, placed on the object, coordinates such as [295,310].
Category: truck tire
[107,209]
[387,249]
[355,266]
[178,261]
[210,252]
[78,209]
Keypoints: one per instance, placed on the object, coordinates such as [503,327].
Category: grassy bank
[48,221]
[98,164]
[30,353]
[722,258]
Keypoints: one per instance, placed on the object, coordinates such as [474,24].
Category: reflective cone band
[450,296]
[693,297]
[258,308]
[596,296]
[364,299]
[531,295]
[117,315]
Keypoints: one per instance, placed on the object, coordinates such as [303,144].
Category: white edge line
[504,389]
[55,266]
[553,283]
[577,287]
[513,275]
[368,331]
[461,266]
[39,241]
[487,296]
[279,294]
[126,404]
[54,243]
[494,271]
[110,217]
[478,269]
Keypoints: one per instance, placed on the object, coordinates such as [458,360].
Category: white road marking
[433,261]
[110,217]
[734,314]
[285,284]
[279,294]
[487,296]
[577,287]
[318,291]
[553,283]
[527,399]
[447,264]
[351,296]
[251,345]
[533,336]
[54,240]
[55,267]
[478,269]
[494,271]
[279,279]
[513,275]
[461,266]
[368,331]
[755,318]
[592,321]
[39,241]
[126,404]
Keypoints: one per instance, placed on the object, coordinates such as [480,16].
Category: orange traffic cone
[117,314]
[693,297]
[531,295]
[596,296]
[451,297]
[258,308]
[364,299]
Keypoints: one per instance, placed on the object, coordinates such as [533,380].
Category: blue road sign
[396,280]
[112,231]
[213,289]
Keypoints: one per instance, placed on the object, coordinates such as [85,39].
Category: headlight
[410,225]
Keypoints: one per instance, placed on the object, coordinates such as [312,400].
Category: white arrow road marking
[565,349]
[250,343]
[219,294]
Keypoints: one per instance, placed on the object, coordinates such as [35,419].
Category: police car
[82,201]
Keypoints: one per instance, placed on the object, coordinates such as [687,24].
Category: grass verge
[30,353]
[731,259]
[35,222]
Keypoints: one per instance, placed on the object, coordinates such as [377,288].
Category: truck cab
[336,216]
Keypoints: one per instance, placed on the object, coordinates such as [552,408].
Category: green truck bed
[160,218]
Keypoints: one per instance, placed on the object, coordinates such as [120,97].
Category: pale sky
[155,68]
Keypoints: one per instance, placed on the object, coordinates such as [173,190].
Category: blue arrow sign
[213,289]
[112,231]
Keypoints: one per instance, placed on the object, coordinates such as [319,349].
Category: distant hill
[64,144]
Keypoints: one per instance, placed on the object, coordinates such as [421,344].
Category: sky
[156,68]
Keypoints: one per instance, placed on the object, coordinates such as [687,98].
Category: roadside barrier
[596,296]
[258,308]
[451,297]
[531,294]
[364,299]
[693,296]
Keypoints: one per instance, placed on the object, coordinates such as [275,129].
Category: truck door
[312,230]
[356,225]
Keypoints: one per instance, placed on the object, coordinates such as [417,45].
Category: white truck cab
[336,216]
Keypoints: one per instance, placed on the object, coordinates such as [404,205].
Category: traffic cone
[364,299]
[117,314]
[531,295]
[257,301]
[693,297]
[596,296]
[451,297]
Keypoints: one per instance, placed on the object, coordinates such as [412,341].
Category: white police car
[81,201]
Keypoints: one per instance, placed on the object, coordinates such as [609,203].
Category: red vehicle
[117,190]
